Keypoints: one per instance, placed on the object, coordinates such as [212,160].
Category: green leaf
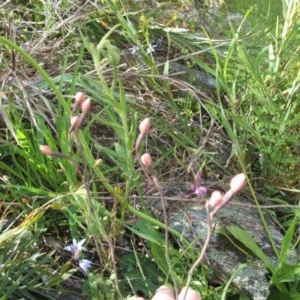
[146,231]
[286,243]
[287,273]
[243,236]
[159,256]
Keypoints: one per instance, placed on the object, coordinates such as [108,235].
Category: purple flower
[76,248]
[160,41]
[85,264]
[201,191]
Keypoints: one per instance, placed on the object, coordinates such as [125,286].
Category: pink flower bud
[79,97]
[46,150]
[144,126]
[216,199]
[86,106]
[74,124]
[146,160]
[237,183]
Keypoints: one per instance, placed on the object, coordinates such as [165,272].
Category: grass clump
[218,103]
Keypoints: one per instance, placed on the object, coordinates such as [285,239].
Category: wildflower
[76,248]
[134,49]
[151,49]
[160,41]
[85,264]
[200,191]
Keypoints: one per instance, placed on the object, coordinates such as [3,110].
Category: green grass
[247,123]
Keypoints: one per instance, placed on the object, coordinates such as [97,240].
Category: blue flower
[85,264]
[76,248]
[134,49]
[151,49]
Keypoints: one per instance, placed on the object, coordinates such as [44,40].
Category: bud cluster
[76,122]
[218,200]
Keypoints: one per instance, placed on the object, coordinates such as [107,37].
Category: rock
[200,78]
[222,256]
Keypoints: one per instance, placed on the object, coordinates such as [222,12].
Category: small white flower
[85,264]
[76,248]
[151,49]
[134,49]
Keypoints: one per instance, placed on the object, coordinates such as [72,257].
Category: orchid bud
[237,183]
[215,200]
[163,293]
[146,160]
[74,124]
[46,150]
[79,98]
[144,126]
[86,106]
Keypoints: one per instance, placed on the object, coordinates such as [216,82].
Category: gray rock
[222,256]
